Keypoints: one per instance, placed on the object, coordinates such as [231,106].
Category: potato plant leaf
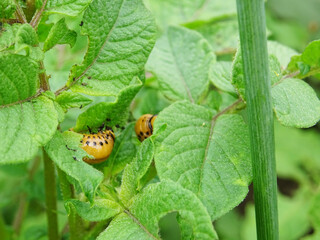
[26,127]
[19,78]
[295,103]
[72,100]
[124,150]
[121,35]
[220,76]
[181,74]
[184,11]
[64,150]
[7,8]
[102,209]
[208,156]
[141,220]
[67,7]
[60,34]
[116,112]
[136,170]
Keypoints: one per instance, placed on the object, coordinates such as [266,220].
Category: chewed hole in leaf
[169,227]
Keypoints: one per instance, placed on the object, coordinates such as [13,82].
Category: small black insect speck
[108,119]
[118,126]
[89,77]
[81,23]
[80,106]
[84,84]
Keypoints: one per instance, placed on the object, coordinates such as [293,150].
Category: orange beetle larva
[144,126]
[98,145]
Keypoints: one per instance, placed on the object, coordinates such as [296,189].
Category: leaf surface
[60,34]
[25,127]
[141,221]
[70,161]
[295,103]
[67,7]
[121,35]
[19,78]
[102,209]
[182,74]
[72,100]
[208,156]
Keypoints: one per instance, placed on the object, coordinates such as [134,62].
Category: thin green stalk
[75,222]
[251,17]
[51,197]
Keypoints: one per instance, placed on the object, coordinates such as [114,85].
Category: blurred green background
[292,22]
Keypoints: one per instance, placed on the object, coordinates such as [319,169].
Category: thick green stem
[75,222]
[51,197]
[251,17]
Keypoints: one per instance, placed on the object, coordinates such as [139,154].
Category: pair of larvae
[100,145]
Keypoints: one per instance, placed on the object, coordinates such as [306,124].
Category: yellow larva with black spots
[98,145]
[144,126]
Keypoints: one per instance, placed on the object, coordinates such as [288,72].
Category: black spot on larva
[147,133]
[94,143]
[101,143]
[84,135]
[99,137]
[142,120]
[94,137]
[141,133]
[106,141]
[107,136]
[88,143]
[81,141]
[81,23]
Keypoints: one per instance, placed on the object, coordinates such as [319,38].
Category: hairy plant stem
[51,197]
[75,222]
[19,13]
[251,18]
[37,17]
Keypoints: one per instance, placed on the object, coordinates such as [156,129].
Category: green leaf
[295,103]
[220,76]
[208,156]
[181,74]
[19,78]
[311,54]
[124,227]
[60,34]
[26,127]
[136,170]
[223,35]
[282,52]
[8,34]
[67,7]
[117,111]
[102,209]
[124,150]
[169,12]
[26,35]
[155,201]
[72,100]
[121,35]
[238,77]
[71,162]
[7,8]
